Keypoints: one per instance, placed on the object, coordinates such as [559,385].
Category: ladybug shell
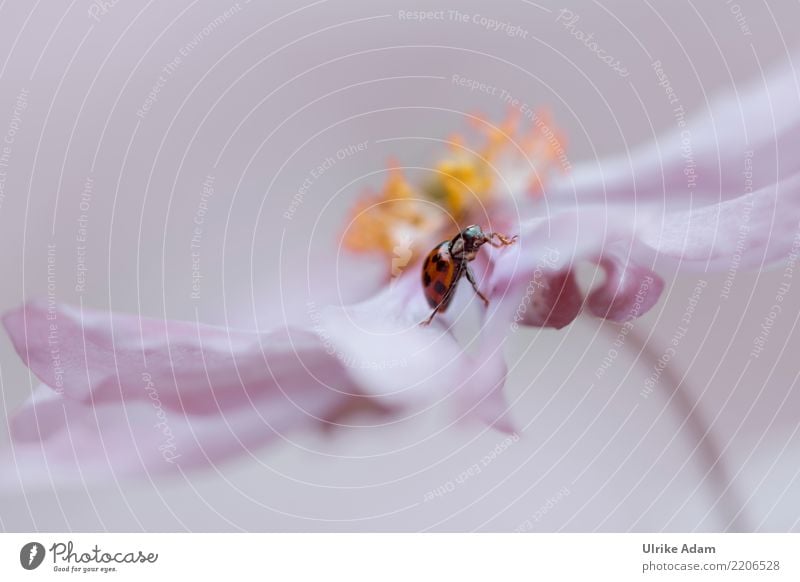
[440,273]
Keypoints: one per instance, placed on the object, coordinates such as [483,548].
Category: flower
[127,395]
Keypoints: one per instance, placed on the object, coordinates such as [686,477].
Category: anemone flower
[124,395]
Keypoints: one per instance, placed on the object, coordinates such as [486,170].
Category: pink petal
[754,129]
[412,367]
[96,444]
[556,243]
[537,274]
[482,383]
[197,368]
[551,299]
[628,292]
[130,394]
[752,230]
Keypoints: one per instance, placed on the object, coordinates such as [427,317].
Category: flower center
[463,189]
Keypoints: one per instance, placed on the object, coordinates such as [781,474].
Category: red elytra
[449,261]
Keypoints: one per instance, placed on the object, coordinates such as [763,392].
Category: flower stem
[696,430]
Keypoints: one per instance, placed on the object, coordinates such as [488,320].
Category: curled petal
[552,299]
[538,274]
[629,290]
[750,231]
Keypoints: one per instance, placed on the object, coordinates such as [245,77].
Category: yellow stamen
[462,188]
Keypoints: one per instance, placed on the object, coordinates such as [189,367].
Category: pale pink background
[343,73]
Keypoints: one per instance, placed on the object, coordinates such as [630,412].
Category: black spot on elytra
[426,278]
[441,266]
[439,287]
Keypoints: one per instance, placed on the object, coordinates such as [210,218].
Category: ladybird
[449,261]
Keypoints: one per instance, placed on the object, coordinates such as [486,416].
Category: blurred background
[129,108]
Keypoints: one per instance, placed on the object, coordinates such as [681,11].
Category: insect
[449,261]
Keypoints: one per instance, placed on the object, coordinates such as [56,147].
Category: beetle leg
[436,309]
[471,279]
[428,321]
[503,240]
[445,298]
